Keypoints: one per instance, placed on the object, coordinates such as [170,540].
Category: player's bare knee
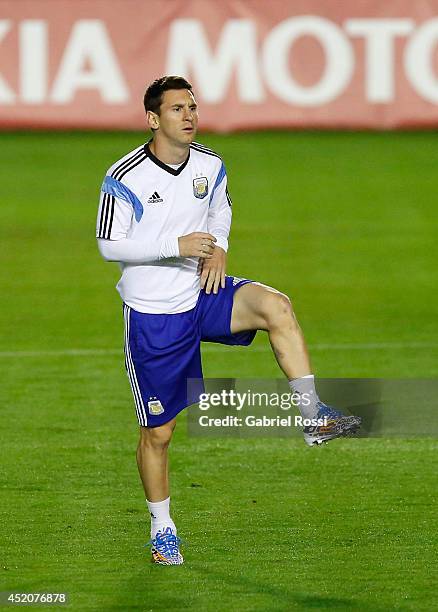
[279,311]
[157,438]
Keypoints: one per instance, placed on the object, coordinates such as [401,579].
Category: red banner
[253,64]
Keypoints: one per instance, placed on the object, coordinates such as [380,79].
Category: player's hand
[197,244]
[213,271]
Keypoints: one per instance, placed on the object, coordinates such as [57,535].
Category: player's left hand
[213,270]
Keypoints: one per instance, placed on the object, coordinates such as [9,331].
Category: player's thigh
[251,305]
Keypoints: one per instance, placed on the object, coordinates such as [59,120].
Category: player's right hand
[196,244]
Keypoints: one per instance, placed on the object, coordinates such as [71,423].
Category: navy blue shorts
[163,350]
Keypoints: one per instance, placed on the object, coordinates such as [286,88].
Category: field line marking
[207,348]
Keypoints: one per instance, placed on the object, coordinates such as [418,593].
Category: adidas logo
[155,198]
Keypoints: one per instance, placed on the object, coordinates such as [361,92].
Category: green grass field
[343,223]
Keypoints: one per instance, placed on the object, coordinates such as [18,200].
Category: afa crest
[155,407]
[200,187]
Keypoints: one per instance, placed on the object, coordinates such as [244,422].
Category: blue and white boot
[335,425]
[165,548]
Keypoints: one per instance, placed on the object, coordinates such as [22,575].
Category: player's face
[178,119]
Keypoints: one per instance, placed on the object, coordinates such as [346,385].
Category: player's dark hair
[154,93]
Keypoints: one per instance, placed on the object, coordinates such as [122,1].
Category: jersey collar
[162,165]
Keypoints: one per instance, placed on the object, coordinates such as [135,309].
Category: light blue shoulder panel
[121,191]
[220,177]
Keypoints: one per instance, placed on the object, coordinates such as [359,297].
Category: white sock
[160,516]
[305,387]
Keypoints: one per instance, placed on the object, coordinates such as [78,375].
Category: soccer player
[165,215]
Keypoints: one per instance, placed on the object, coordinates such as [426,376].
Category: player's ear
[153,120]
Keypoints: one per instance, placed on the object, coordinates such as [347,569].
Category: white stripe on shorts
[139,406]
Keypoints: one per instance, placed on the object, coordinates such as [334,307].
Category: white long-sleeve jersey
[145,206]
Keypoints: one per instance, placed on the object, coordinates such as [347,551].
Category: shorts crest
[155,407]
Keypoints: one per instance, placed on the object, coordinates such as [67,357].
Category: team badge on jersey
[155,407]
[200,187]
